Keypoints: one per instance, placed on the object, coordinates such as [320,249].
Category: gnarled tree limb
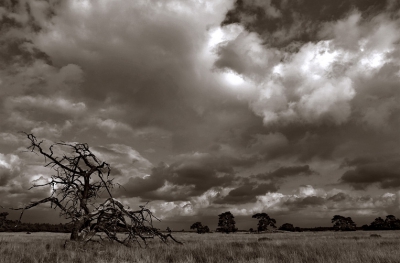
[76,185]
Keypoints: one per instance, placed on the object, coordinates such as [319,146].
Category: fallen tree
[79,179]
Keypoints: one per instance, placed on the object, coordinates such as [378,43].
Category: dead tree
[78,180]
[3,217]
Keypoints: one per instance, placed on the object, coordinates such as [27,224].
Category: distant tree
[200,228]
[264,221]
[169,230]
[226,223]
[251,230]
[378,224]
[390,223]
[343,223]
[287,227]
[365,227]
[298,229]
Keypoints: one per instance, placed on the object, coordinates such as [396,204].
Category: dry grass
[272,247]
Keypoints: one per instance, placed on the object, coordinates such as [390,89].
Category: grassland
[215,247]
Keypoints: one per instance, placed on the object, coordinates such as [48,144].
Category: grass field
[215,247]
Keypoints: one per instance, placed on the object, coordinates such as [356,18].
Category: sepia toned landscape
[199,130]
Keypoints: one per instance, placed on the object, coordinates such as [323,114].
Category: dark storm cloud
[367,171]
[155,69]
[338,197]
[191,176]
[309,201]
[300,141]
[328,142]
[281,23]
[247,192]
[249,188]
[286,172]
[152,72]
[34,93]
[17,47]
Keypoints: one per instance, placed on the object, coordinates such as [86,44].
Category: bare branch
[79,180]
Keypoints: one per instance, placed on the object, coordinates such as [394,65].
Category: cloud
[35,94]
[300,203]
[244,53]
[284,22]
[17,172]
[113,128]
[310,202]
[190,175]
[151,71]
[317,81]
[249,188]
[310,91]
[365,172]
[43,105]
[247,192]
[8,138]
[9,168]
[45,78]
[270,145]
[196,174]
[300,88]
[286,172]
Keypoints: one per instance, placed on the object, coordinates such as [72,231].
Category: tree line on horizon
[16,226]
[226,224]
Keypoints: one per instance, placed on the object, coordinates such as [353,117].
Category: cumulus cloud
[338,79]
[317,82]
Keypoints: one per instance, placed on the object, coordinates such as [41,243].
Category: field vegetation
[355,246]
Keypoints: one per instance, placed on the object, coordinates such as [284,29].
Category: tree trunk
[76,230]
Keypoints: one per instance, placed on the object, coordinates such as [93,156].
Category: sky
[291,108]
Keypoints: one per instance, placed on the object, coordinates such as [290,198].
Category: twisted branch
[76,186]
